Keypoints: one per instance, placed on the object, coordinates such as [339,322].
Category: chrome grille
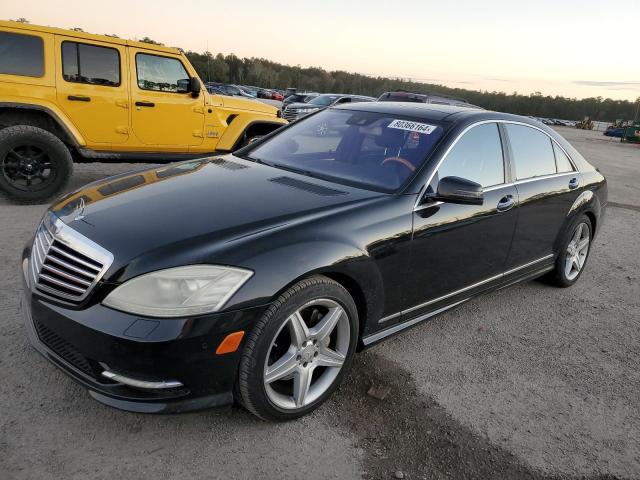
[290,114]
[64,263]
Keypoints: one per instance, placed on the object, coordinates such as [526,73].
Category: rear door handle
[145,104]
[79,98]
[506,203]
[573,183]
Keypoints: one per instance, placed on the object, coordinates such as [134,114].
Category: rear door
[161,116]
[547,184]
[92,88]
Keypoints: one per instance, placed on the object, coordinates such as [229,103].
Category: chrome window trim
[483,122]
[464,289]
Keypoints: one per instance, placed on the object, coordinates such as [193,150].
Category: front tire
[34,164]
[574,253]
[299,351]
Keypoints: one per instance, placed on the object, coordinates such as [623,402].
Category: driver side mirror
[459,190]
[189,85]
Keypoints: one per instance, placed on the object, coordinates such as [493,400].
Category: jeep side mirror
[195,86]
[459,190]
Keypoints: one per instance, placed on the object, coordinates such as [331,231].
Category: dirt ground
[528,382]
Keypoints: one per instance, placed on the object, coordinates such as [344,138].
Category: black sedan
[257,276]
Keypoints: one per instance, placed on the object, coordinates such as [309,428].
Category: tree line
[267,74]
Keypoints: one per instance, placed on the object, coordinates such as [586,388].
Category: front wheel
[573,256]
[299,351]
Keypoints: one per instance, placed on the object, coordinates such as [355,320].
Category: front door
[92,88]
[162,116]
[458,249]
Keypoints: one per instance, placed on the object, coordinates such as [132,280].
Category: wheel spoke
[329,358]
[576,263]
[578,235]
[582,244]
[285,366]
[298,328]
[326,324]
[568,266]
[301,385]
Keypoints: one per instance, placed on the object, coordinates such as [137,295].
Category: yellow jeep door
[92,89]
[162,115]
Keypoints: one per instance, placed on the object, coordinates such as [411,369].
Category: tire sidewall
[277,317]
[58,153]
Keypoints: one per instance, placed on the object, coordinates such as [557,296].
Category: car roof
[435,112]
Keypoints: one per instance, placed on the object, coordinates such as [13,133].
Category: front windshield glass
[324,100]
[365,149]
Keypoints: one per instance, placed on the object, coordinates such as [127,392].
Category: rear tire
[575,249]
[34,164]
[289,368]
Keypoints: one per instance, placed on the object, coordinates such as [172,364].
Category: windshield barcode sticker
[412,126]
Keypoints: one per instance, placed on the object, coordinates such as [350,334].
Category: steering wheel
[402,161]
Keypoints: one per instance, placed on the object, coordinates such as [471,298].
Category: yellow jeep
[72,96]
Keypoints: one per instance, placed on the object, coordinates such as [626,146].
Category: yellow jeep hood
[237,103]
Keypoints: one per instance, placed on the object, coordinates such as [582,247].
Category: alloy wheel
[307,354]
[27,167]
[577,251]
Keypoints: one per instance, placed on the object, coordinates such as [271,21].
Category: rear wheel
[299,351]
[574,254]
[34,164]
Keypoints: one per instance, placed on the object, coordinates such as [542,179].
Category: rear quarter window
[532,152]
[21,54]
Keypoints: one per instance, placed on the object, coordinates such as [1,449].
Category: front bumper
[85,343]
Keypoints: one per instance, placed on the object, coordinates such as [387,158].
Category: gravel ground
[528,382]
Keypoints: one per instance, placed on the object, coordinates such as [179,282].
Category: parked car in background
[414,97]
[69,95]
[230,89]
[298,97]
[295,111]
[257,276]
[289,91]
[249,91]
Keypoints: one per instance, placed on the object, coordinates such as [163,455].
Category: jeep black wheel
[34,164]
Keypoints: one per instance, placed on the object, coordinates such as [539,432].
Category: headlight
[177,292]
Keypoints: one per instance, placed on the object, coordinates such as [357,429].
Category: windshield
[366,149]
[324,100]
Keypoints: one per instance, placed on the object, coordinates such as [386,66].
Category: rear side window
[21,55]
[477,156]
[83,63]
[160,74]
[563,163]
[532,152]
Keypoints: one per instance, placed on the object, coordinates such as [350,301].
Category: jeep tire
[34,164]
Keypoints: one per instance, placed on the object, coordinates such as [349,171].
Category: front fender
[240,123]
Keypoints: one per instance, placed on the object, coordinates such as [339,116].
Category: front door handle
[573,183]
[506,203]
[145,104]
[79,98]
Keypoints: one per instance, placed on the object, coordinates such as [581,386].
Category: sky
[575,48]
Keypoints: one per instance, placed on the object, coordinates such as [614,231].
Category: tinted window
[21,55]
[563,163]
[159,73]
[361,148]
[477,157]
[83,63]
[532,152]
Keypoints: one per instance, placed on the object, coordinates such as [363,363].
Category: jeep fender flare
[239,126]
[72,135]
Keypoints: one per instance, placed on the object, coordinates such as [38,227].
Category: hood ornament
[79,211]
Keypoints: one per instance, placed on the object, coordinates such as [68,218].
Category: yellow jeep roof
[85,35]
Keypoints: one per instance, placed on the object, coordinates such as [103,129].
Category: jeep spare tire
[34,164]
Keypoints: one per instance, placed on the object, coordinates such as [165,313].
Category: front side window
[370,150]
[477,156]
[160,74]
[84,63]
[324,100]
[21,55]
[532,151]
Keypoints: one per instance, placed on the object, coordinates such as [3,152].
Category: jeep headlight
[178,292]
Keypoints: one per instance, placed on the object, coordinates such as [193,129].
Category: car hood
[304,105]
[214,200]
[245,103]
